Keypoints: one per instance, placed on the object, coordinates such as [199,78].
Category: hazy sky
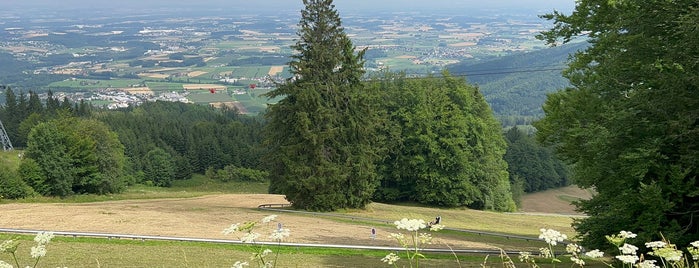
[285,5]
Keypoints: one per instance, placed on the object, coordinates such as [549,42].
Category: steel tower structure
[4,139]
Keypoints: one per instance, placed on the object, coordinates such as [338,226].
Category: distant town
[113,62]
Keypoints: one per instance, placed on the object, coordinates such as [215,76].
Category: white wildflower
[425,238]
[268,264]
[630,259]
[231,229]
[695,244]
[436,227]
[266,252]
[578,261]
[625,234]
[552,237]
[573,248]
[240,264]
[8,246]
[656,244]
[524,256]
[249,237]
[391,258]
[694,251]
[628,249]
[38,251]
[595,254]
[647,264]
[667,253]
[43,238]
[279,234]
[397,236]
[410,225]
[269,218]
[5,265]
[545,252]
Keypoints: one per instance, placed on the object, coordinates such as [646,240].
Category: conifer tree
[319,136]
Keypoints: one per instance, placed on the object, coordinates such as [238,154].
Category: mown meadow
[68,251]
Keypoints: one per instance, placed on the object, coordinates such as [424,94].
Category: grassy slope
[10,158]
[84,252]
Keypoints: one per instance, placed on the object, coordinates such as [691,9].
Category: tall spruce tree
[319,136]
[630,121]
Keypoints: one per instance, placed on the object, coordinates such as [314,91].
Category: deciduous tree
[630,121]
[444,148]
[70,155]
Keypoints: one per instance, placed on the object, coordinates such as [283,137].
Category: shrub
[12,186]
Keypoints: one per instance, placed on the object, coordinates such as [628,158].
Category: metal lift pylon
[4,139]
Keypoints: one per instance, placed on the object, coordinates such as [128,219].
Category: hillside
[515,86]
[554,201]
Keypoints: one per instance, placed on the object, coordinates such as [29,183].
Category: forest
[158,142]
[516,85]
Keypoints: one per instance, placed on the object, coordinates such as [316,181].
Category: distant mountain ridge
[516,85]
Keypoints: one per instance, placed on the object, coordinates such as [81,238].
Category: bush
[13,187]
[32,175]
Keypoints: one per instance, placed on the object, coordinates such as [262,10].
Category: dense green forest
[532,167]
[154,143]
[164,141]
[516,85]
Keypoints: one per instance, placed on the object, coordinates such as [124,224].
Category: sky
[290,5]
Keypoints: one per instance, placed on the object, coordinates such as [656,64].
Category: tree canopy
[443,145]
[630,121]
[70,155]
[319,135]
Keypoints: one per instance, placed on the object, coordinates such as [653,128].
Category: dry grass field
[555,201]
[207,216]
[196,73]
[274,70]
[203,87]
[199,217]
[154,75]
[138,90]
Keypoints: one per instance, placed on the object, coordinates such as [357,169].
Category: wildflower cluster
[667,253]
[249,236]
[413,242]
[552,238]
[38,251]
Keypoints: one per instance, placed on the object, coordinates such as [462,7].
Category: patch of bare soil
[556,201]
[201,217]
